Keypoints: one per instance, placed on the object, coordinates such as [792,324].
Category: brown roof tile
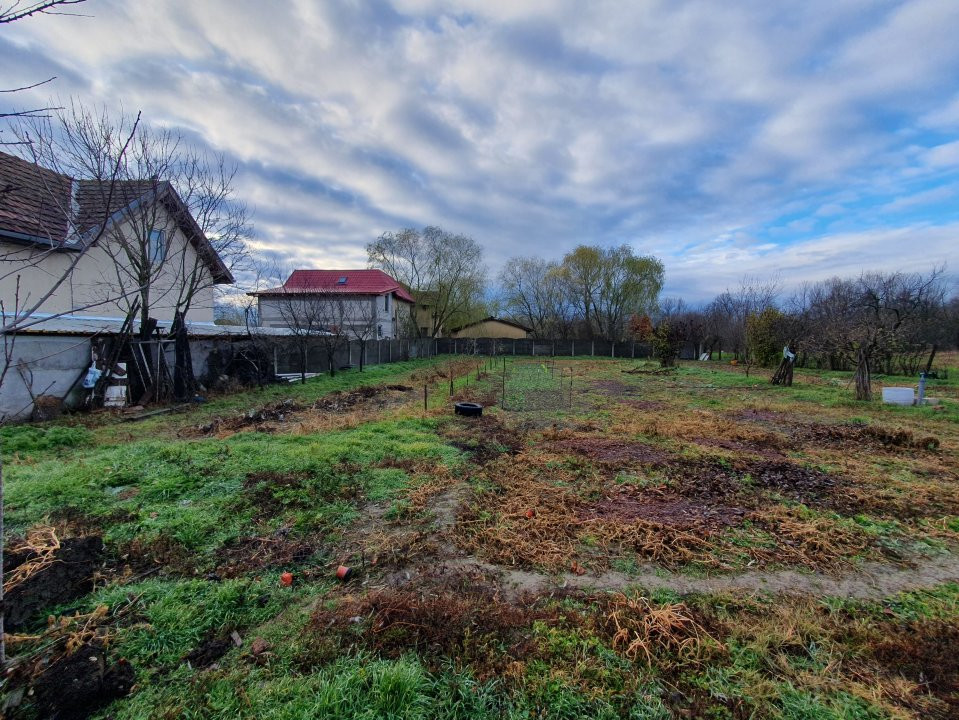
[34,201]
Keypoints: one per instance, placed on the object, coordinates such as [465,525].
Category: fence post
[572,352]
[612,352]
[276,365]
[514,347]
[592,348]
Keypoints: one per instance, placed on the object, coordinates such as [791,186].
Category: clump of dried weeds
[641,628]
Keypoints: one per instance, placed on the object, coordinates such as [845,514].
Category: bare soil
[629,505]
[67,578]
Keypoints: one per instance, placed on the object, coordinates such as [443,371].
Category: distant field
[608,541]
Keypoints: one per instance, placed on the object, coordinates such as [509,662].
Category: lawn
[608,541]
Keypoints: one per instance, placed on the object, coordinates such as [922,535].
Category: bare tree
[360,323]
[730,310]
[314,320]
[11,11]
[176,231]
[534,294]
[443,270]
[864,321]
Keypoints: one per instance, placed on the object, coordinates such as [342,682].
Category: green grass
[151,485]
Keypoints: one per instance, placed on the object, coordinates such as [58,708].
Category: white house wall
[94,281]
[355,306]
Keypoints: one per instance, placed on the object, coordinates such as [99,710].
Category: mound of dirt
[874,436]
[208,652]
[274,412]
[68,577]
[340,401]
[76,686]
[451,613]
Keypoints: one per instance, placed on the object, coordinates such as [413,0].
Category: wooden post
[425,398]
[592,348]
[503,400]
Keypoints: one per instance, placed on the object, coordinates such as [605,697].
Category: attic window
[341,281]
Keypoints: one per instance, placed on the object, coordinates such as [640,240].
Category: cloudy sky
[753,137]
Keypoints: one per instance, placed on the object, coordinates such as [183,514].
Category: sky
[736,139]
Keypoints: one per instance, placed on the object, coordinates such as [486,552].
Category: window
[341,281]
[424,331]
[386,302]
[156,247]
[379,331]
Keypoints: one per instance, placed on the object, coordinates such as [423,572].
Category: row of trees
[893,323]
[592,293]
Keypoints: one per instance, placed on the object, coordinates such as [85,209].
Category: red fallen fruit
[530,514]
[286,579]
[344,573]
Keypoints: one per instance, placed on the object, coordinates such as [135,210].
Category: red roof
[352,282]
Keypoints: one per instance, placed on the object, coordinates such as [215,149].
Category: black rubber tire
[468,409]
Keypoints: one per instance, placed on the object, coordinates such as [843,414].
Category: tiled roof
[36,203]
[351,282]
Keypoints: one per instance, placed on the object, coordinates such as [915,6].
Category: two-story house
[362,303]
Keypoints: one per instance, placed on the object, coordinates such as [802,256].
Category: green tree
[609,285]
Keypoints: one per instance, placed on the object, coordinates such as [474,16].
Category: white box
[898,396]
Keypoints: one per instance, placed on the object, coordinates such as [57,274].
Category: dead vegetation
[364,401]
[643,630]
[540,515]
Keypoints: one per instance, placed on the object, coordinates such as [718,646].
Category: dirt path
[871,581]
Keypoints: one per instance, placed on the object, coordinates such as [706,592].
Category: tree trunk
[783,374]
[932,356]
[863,376]
[184,381]
[3,642]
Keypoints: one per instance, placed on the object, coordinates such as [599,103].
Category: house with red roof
[361,300]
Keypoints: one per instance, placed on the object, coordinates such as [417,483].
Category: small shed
[492,327]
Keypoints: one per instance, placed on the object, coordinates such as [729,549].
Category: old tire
[468,409]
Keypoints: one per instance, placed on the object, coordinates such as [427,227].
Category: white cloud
[535,125]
